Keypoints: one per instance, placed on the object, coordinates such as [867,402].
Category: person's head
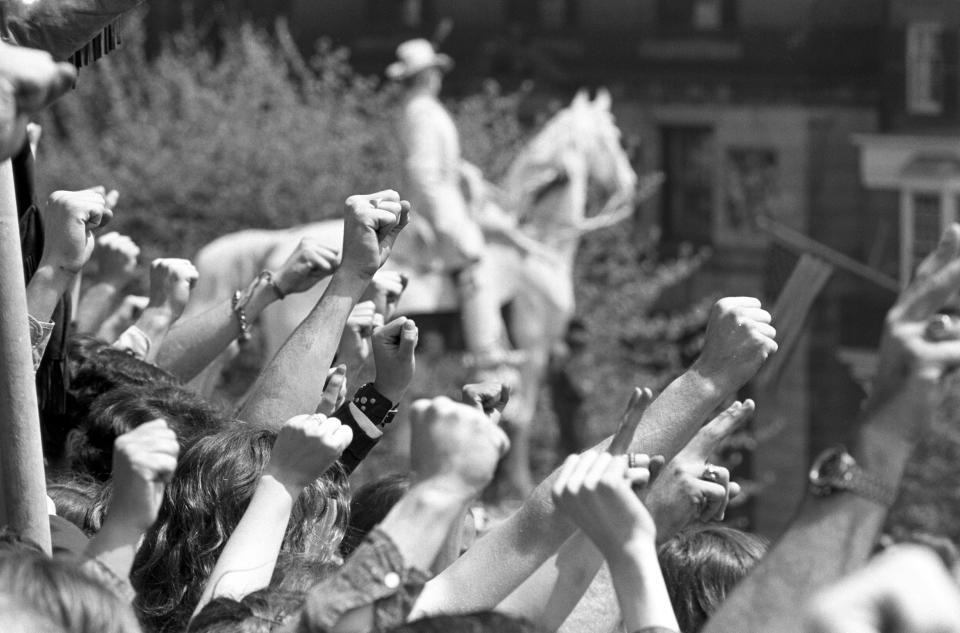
[75,497]
[480,622]
[211,488]
[63,594]
[701,565]
[95,368]
[370,504]
[122,409]
[419,67]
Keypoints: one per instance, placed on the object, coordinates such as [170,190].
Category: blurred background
[811,153]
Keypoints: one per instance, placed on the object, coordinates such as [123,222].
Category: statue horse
[532,222]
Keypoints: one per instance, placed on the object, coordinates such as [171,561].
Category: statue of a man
[432,163]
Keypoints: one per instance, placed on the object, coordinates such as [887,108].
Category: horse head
[579,147]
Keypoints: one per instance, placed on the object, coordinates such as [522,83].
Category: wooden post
[22,481]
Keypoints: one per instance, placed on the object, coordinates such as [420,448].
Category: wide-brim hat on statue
[415,56]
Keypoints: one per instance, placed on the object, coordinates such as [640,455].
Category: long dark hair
[702,565]
[211,488]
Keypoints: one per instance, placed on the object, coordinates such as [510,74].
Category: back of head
[370,504]
[61,593]
[76,499]
[480,622]
[122,409]
[16,617]
[211,488]
[701,565]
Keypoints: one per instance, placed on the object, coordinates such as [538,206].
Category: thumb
[408,338]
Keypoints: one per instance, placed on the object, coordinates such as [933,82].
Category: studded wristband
[374,405]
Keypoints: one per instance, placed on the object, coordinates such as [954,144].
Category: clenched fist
[310,263]
[455,445]
[116,258]
[143,462]
[306,446]
[171,280]
[739,339]
[69,218]
[371,225]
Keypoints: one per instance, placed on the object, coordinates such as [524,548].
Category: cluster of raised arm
[210,521]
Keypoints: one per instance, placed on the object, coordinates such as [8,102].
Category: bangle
[241,316]
[267,276]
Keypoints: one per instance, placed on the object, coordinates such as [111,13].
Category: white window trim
[916,101]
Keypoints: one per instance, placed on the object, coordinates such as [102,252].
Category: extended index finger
[718,429]
[640,399]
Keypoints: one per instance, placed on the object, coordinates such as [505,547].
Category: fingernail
[342,368]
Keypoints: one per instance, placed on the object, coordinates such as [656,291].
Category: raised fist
[171,280]
[310,263]
[69,218]
[143,462]
[306,446]
[29,81]
[116,256]
[371,225]
[393,355]
[739,339]
[385,291]
[455,445]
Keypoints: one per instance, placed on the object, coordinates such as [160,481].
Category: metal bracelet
[241,317]
[267,276]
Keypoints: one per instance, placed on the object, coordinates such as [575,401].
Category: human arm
[195,341]
[903,590]
[116,259]
[834,534]
[371,225]
[458,449]
[595,490]
[29,81]
[680,493]
[305,448]
[739,339]
[143,461]
[171,280]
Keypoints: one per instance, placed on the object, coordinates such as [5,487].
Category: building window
[925,68]
[751,189]
[924,215]
[704,16]
[548,15]
[689,163]
[409,14]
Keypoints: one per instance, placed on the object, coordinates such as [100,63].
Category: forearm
[641,590]
[44,291]
[505,557]
[154,324]
[552,592]
[61,28]
[677,413]
[247,561]
[115,546]
[96,306]
[281,392]
[193,343]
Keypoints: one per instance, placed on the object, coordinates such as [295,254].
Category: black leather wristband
[374,405]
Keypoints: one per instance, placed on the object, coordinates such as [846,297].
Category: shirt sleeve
[375,575]
[40,332]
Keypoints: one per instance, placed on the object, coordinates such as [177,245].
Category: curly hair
[75,496]
[122,409]
[702,565]
[211,488]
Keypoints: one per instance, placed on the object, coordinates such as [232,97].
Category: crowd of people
[166,513]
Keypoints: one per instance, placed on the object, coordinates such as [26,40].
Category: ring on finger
[941,327]
[710,473]
[633,460]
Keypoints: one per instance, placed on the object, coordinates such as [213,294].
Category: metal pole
[22,481]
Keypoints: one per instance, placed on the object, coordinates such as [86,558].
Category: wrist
[710,384]
[261,295]
[391,392]
[347,274]
[639,547]
[56,278]
[439,492]
[882,454]
[275,484]
[155,321]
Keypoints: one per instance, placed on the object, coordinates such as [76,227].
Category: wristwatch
[836,470]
